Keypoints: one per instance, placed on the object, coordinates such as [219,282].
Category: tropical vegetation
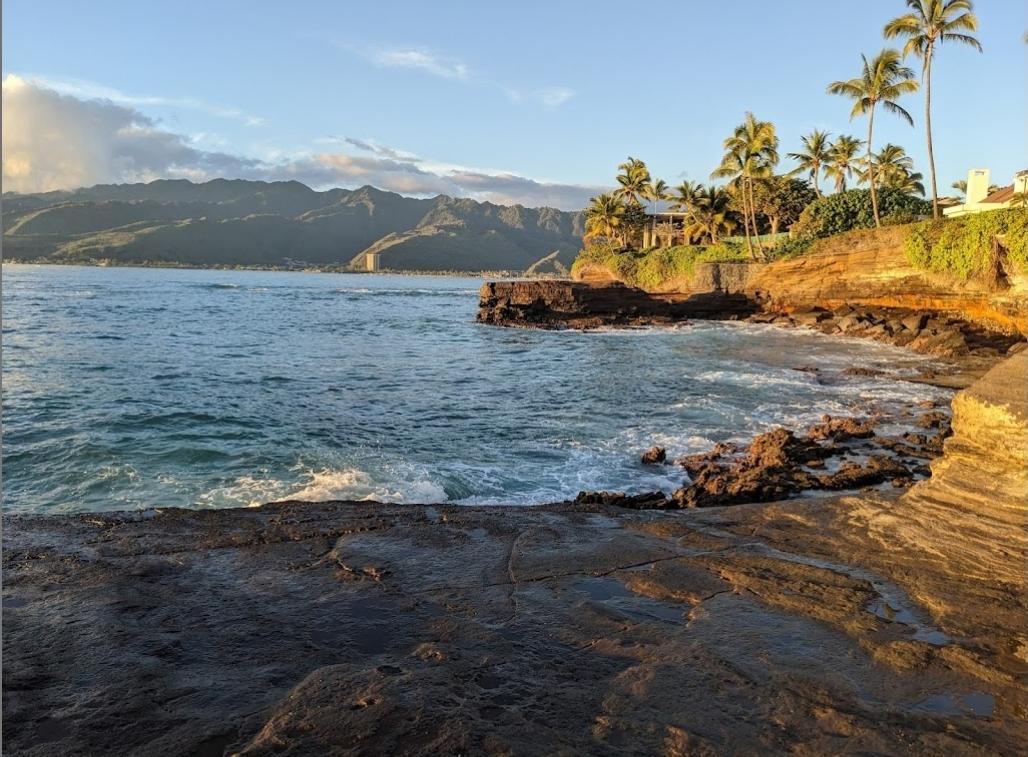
[962,246]
[882,81]
[928,24]
[836,183]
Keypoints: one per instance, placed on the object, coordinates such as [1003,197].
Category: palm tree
[686,194]
[750,153]
[883,79]
[895,169]
[632,181]
[813,158]
[708,215]
[932,22]
[960,185]
[656,191]
[842,159]
[603,217]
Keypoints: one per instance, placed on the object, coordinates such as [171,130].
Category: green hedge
[649,269]
[963,246]
[836,213]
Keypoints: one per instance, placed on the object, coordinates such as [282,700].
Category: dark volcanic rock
[841,429]
[644,501]
[572,304]
[767,472]
[654,455]
[876,470]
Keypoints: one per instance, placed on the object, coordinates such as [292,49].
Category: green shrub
[836,213]
[649,269]
[789,248]
[962,246]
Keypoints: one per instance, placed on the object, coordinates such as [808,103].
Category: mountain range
[283,224]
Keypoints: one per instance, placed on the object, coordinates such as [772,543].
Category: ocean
[130,388]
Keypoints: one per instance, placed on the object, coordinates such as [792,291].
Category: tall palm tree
[895,169]
[632,181]
[750,153]
[813,158]
[883,80]
[842,160]
[656,191]
[929,23]
[603,217]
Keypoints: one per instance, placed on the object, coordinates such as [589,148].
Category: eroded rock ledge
[872,623]
[572,304]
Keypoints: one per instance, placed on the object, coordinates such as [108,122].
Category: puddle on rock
[977,703]
[615,595]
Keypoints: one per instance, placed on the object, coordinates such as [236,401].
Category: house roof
[1003,194]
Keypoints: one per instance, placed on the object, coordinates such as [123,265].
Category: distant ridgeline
[283,224]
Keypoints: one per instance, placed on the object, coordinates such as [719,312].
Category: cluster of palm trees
[708,211]
[840,161]
[884,78]
[751,152]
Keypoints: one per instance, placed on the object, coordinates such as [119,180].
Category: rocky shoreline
[835,454]
[890,620]
[879,622]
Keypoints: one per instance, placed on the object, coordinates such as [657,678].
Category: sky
[527,102]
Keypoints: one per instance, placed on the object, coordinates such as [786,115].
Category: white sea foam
[354,484]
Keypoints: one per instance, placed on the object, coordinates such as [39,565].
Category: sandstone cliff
[864,268]
[871,269]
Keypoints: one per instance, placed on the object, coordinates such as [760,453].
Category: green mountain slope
[238,222]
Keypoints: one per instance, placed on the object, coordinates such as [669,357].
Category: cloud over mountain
[54,140]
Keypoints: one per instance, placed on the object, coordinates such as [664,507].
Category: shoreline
[880,621]
[281,269]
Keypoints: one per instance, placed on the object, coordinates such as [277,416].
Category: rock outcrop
[570,304]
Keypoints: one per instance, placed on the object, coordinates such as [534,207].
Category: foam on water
[230,388]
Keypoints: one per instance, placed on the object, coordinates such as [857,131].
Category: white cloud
[58,141]
[55,141]
[555,96]
[93,91]
[423,60]
[551,97]
[445,67]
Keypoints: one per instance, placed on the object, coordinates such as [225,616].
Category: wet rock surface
[357,628]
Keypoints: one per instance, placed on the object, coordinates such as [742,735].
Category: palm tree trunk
[813,175]
[753,212]
[928,128]
[746,218]
[871,169]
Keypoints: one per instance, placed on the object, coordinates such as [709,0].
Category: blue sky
[529,101]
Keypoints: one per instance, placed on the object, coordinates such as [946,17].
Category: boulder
[915,322]
[841,429]
[654,456]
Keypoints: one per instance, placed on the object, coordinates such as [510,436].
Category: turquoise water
[131,388]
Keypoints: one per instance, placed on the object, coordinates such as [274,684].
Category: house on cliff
[979,198]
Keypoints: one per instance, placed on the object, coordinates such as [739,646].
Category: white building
[979,199]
